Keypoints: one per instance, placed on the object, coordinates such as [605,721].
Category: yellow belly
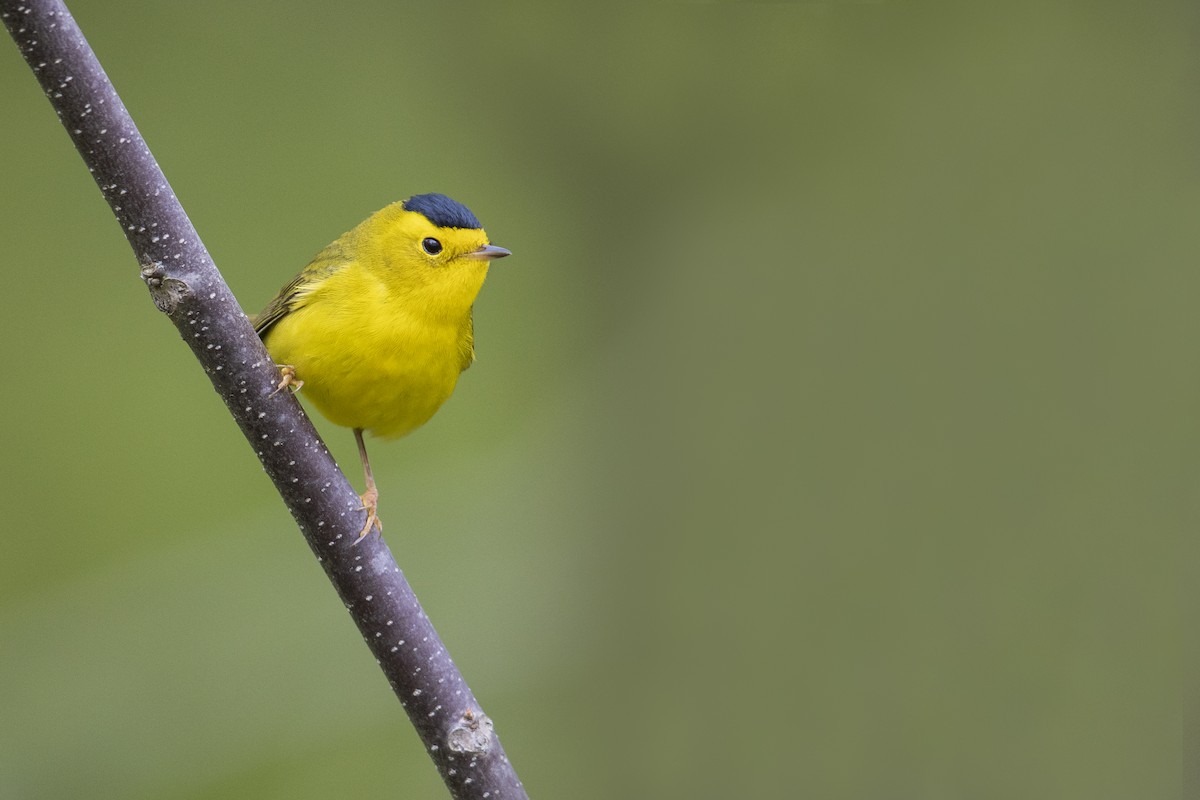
[380,372]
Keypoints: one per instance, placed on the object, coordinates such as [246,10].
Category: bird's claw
[370,502]
[287,379]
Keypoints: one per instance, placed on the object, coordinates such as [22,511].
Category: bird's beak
[489,252]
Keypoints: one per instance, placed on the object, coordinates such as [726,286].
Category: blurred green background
[831,433]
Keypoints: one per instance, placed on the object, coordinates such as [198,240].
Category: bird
[378,327]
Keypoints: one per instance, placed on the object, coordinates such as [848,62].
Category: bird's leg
[370,498]
[287,378]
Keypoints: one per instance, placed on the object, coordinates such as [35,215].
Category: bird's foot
[287,379]
[370,502]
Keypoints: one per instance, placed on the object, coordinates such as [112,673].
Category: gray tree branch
[187,287]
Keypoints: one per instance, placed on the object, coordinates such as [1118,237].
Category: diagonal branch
[187,287]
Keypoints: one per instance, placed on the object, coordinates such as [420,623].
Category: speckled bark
[187,287]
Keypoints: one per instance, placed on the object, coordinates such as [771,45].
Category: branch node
[167,293]
[473,734]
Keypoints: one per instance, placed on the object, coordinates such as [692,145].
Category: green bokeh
[830,436]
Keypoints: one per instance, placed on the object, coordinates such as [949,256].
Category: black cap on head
[442,211]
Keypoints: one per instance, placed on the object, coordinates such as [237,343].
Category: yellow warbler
[378,326]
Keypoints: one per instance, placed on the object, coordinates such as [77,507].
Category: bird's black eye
[431,245]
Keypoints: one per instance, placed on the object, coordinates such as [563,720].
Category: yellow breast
[370,357]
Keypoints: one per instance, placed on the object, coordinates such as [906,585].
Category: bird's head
[432,249]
